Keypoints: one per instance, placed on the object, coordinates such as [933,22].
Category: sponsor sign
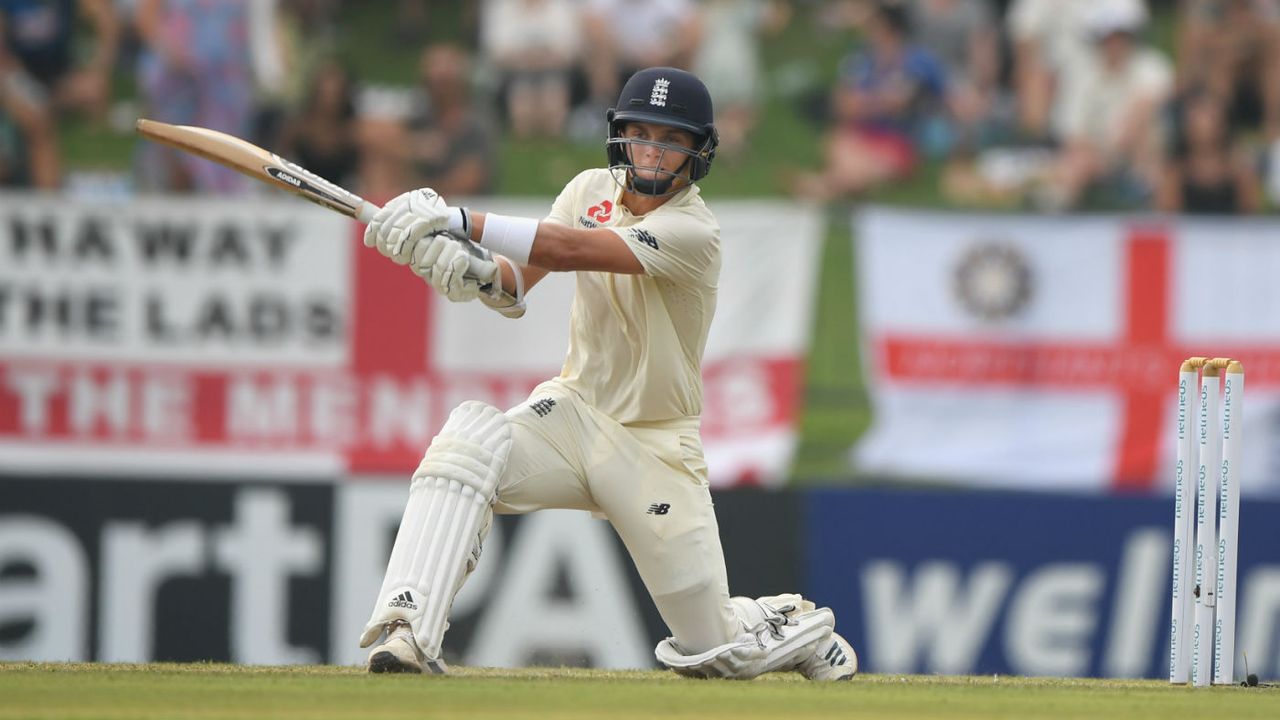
[132,571]
[1021,583]
[283,573]
[257,336]
[1043,352]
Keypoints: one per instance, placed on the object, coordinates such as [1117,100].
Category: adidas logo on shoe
[835,656]
[403,600]
[834,661]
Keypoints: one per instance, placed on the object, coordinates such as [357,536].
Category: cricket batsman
[617,433]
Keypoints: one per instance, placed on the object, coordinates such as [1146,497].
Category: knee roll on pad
[445,520]
[775,637]
[471,449]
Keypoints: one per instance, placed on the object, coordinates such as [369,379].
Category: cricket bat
[269,168]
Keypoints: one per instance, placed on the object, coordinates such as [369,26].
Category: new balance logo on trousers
[404,600]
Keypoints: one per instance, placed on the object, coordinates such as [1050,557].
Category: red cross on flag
[1043,352]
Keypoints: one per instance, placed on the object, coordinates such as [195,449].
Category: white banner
[258,335]
[1043,352]
[156,281]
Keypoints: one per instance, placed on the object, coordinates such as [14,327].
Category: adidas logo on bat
[403,600]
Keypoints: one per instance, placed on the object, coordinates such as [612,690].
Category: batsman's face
[649,159]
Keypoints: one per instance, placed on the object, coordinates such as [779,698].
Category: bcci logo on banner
[993,281]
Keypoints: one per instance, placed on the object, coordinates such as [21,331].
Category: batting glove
[398,228]
[447,265]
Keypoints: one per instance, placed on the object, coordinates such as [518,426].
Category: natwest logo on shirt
[601,213]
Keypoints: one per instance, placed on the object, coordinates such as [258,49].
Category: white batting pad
[776,637]
[444,523]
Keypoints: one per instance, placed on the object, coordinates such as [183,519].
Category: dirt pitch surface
[207,691]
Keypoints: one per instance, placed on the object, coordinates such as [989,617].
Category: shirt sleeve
[679,246]
[562,209]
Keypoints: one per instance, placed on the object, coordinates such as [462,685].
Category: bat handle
[476,257]
[368,210]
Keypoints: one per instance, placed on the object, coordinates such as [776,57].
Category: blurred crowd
[1057,105]
[268,71]
[1050,105]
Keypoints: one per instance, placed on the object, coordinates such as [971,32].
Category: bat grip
[476,257]
[368,210]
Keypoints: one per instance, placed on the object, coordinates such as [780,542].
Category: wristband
[509,236]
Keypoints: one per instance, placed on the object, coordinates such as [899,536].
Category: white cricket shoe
[833,660]
[400,653]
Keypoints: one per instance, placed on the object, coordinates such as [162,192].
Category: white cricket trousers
[651,484]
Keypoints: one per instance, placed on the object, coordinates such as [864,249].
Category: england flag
[1043,352]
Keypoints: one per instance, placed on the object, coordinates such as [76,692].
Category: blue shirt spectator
[901,84]
[884,92]
[38,33]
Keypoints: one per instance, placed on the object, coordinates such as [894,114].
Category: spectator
[411,21]
[728,60]
[38,79]
[29,153]
[627,35]
[882,95]
[13,171]
[1204,175]
[194,70]
[1048,37]
[533,45]
[290,40]
[1108,116]
[841,15]
[446,143]
[414,19]
[321,136]
[961,34]
[1232,48]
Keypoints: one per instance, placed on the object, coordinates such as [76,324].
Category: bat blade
[259,164]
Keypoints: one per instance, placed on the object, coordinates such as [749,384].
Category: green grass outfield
[39,690]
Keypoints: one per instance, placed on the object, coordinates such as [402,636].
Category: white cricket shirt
[636,341]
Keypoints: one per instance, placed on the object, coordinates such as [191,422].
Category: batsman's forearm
[558,248]
[531,275]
